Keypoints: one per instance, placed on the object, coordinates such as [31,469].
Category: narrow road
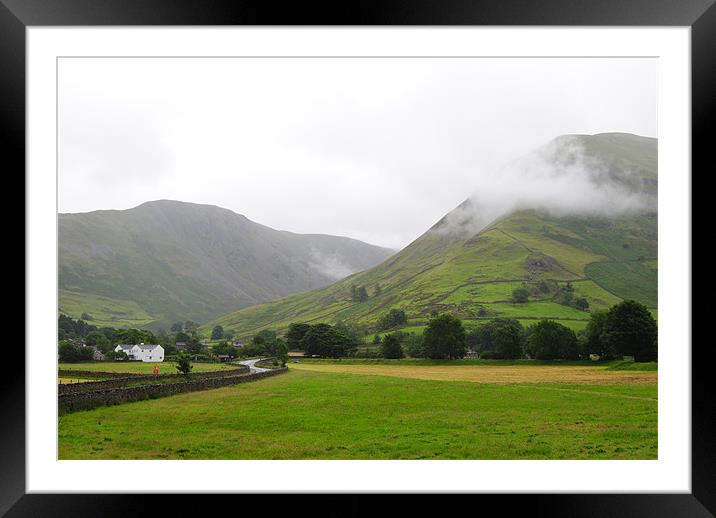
[252,365]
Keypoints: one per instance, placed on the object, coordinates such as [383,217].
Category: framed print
[403,251]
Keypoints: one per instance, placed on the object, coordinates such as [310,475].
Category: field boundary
[117,382]
[114,396]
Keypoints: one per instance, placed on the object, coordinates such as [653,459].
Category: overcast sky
[375,149]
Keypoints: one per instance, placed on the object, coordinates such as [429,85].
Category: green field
[323,415]
[141,367]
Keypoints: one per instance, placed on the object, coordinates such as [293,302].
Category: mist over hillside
[577,215]
[170,260]
[606,175]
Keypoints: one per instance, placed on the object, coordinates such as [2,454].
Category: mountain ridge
[600,257]
[180,260]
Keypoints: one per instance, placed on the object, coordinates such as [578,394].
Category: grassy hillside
[175,261]
[603,259]
[104,311]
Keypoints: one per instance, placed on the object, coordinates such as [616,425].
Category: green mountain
[165,261]
[560,249]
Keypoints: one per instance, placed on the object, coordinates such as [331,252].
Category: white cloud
[375,149]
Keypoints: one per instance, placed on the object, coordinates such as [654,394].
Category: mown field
[141,367]
[311,413]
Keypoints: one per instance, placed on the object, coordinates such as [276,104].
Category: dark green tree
[414,345]
[184,365]
[362,294]
[99,341]
[444,338]
[391,347]
[324,340]
[217,333]
[549,340]
[501,338]
[393,318]
[631,330]
[581,303]
[295,333]
[281,351]
[520,295]
[594,342]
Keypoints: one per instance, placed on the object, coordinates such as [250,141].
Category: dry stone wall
[71,402]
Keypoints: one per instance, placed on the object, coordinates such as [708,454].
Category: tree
[266,340]
[86,316]
[581,303]
[116,355]
[295,333]
[193,345]
[281,351]
[354,293]
[594,342]
[549,340]
[99,341]
[378,290]
[324,340]
[391,348]
[70,353]
[362,294]
[631,330]
[177,327]
[393,318]
[501,338]
[184,365]
[520,295]
[217,333]
[377,340]
[190,326]
[414,345]
[224,348]
[353,331]
[444,338]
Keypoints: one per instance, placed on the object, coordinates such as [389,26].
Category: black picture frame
[700,15]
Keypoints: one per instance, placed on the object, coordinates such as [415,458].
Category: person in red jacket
[156,370]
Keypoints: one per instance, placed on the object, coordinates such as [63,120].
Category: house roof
[148,347]
[144,347]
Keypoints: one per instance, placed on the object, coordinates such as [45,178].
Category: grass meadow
[407,411]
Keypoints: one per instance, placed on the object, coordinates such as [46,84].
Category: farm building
[98,356]
[142,352]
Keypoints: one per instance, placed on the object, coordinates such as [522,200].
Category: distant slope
[472,275]
[179,261]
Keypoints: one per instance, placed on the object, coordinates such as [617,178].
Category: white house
[143,352]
